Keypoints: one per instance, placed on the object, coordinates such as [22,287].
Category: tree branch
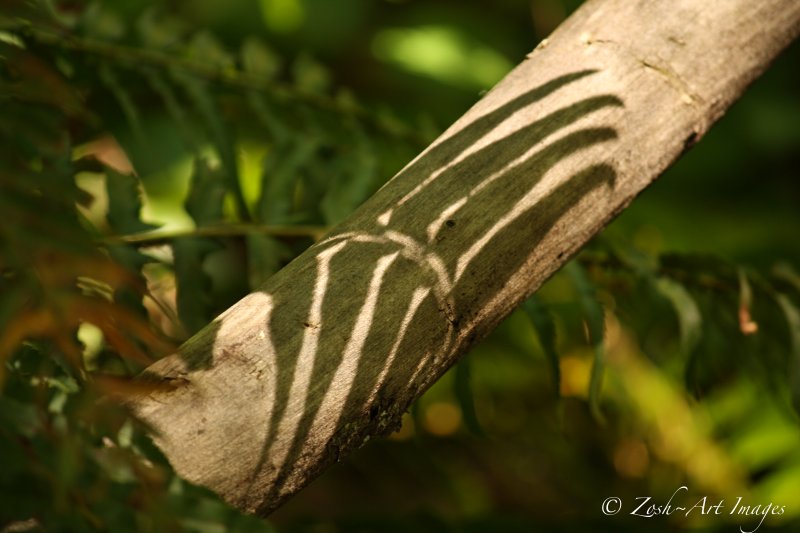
[333,348]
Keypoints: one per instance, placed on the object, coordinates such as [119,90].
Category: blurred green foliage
[158,160]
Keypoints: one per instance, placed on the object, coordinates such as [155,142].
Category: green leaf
[349,188]
[204,103]
[157,28]
[641,263]
[204,204]
[21,418]
[792,315]
[193,284]
[786,274]
[101,22]
[126,104]
[206,195]
[689,317]
[543,323]
[595,322]
[205,48]
[268,118]
[309,75]
[174,107]
[125,204]
[464,395]
[124,217]
[278,180]
[259,60]
[265,256]
[132,259]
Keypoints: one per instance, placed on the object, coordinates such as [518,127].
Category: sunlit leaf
[443,53]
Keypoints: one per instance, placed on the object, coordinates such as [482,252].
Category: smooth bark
[333,349]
